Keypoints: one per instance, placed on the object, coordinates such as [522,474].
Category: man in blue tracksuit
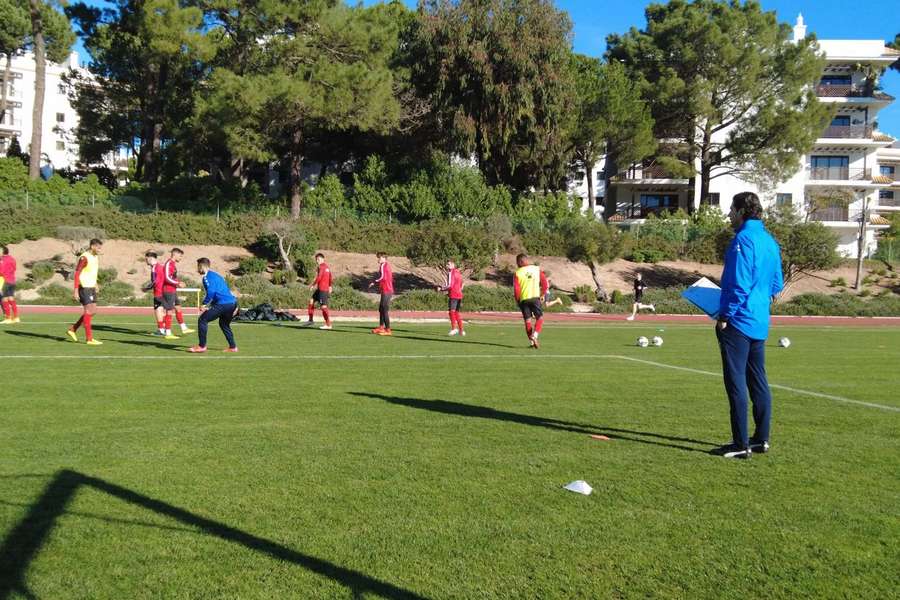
[751,278]
[219,303]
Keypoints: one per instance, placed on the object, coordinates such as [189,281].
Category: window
[62,89]
[60,117]
[841,121]
[60,145]
[782,200]
[885,195]
[714,199]
[835,80]
[658,203]
[887,170]
[600,176]
[829,167]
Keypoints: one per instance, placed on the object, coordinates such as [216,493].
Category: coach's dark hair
[177,251]
[203,262]
[381,255]
[747,205]
[520,258]
[5,249]
[318,254]
[150,254]
[96,242]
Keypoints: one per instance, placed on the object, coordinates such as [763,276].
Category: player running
[8,287]
[385,283]
[156,283]
[322,287]
[639,287]
[454,289]
[219,303]
[530,285]
[170,300]
[86,289]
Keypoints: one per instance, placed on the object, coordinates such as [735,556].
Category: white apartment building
[58,144]
[851,159]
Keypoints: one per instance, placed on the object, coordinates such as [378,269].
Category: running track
[585,318]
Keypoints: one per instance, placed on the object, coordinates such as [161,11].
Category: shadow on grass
[481,412]
[123,330]
[43,336]
[23,543]
[401,334]
[162,345]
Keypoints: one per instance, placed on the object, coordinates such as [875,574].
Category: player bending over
[8,287]
[385,283]
[322,287]
[219,303]
[454,289]
[530,285]
[156,284]
[86,289]
[639,286]
[170,299]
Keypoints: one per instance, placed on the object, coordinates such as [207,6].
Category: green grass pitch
[345,465]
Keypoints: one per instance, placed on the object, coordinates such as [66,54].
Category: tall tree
[896,46]
[610,117]
[146,61]
[14,29]
[725,78]
[499,75]
[51,39]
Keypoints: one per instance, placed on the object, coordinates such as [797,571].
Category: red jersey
[8,269]
[170,276]
[157,275]
[385,279]
[454,285]
[323,278]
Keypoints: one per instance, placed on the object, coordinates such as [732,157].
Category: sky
[593,20]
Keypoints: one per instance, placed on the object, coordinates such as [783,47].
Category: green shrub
[252,265]
[283,276]
[106,275]
[55,293]
[651,249]
[42,271]
[838,282]
[840,305]
[439,241]
[616,297]
[585,294]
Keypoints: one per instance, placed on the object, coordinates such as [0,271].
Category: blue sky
[829,19]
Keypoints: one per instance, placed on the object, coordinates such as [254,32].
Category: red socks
[78,323]
[168,322]
[88,333]
[6,308]
[15,308]
[179,316]
[456,320]
[539,325]
[528,328]
[311,310]
[325,315]
[161,323]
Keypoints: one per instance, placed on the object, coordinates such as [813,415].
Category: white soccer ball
[643,342]
[784,342]
[657,341]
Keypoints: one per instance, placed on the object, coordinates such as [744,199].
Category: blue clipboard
[705,295]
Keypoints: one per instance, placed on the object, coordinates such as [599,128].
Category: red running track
[586,318]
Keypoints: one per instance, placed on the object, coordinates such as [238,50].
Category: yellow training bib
[529,278]
[88,277]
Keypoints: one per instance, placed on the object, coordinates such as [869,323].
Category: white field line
[516,357]
[772,385]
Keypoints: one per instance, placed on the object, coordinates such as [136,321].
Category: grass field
[344,465]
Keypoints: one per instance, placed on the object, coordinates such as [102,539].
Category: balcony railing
[842,91]
[8,122]
[649,172]
[839,174]
[855,132]
[889,202]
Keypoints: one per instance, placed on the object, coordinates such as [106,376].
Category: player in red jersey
[454,289]
[170,299]
[156,283]
[8,287]
[385,283]
[322,287]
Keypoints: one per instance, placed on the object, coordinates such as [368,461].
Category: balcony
[838,174]
[889,203]
[849,132]
[638,173]
[850,91]
[10,124]
[830,213]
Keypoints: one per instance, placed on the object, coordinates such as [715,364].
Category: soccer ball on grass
[784,342]
[643,342]
[657,341]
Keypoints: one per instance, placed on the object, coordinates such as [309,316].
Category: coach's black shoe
[732,451]
[759,447]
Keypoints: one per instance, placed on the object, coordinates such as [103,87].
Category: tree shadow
[23,543]
[114,329]
[44,336]
[456,340]
[658,276]
[145,343]
[481,412]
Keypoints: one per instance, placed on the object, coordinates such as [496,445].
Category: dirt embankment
[127,257]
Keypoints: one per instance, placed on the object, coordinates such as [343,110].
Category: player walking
[8,287]
[322,287]
[639,287]
[86,289]
[454,289]
[219,303]
[530,285]
[156,284]
[385,283]
[170,300]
